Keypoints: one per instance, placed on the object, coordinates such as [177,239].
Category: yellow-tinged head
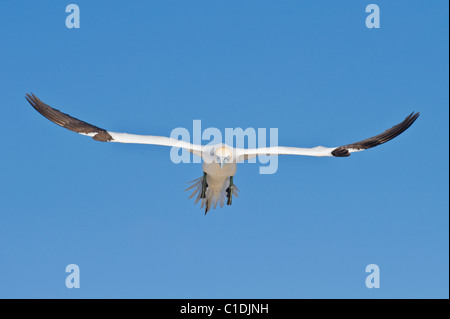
[223,152]
[223,155]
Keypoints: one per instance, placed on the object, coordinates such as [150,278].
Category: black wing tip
[32,99]
[342,151]
[414,116]
[67,121]
[41,107]
[407,122]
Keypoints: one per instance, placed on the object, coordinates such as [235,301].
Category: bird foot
[204,186]
[229,191]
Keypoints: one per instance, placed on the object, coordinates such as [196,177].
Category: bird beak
[221,163]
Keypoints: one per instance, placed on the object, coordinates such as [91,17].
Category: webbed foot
[230,191]
[204,186]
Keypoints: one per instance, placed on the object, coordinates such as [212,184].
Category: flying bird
[216,186]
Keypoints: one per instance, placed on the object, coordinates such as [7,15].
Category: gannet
[219,161]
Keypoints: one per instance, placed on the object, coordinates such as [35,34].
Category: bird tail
[215,193]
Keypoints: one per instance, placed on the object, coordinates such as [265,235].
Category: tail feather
[192,186]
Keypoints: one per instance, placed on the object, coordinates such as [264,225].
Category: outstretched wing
[103,135]
[341,151]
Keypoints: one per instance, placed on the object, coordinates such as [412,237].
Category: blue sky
[309,68]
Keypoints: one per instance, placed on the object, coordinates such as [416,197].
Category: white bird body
[219,161]
[217,176]
[216,173]
[218,181]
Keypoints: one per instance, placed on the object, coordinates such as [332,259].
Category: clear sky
[312,69]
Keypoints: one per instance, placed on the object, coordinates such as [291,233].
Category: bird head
[223,155]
